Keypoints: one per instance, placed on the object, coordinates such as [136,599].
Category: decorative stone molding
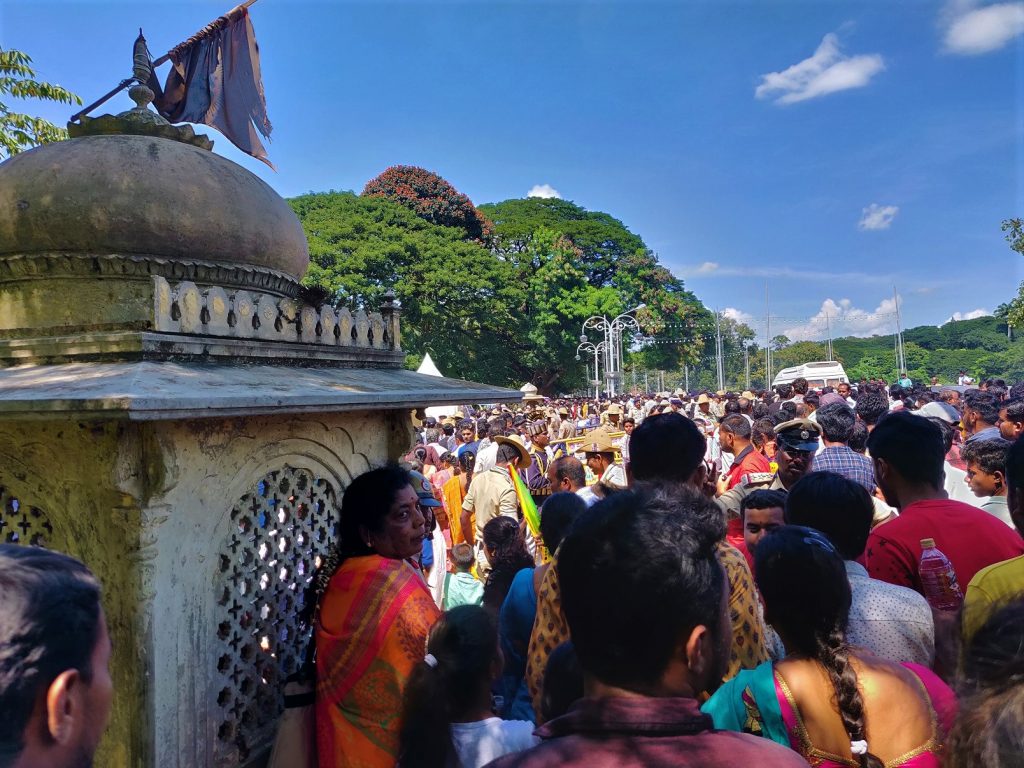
[188,309]
[130,265]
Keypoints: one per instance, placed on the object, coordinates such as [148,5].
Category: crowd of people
[779,578]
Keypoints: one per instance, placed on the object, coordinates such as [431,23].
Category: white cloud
[739,316]
[969,315]
[973,31]
[845,320]
[543,190]
[706,268]
[877,216]
[829,70]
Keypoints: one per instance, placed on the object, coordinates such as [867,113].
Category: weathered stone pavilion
[172,414]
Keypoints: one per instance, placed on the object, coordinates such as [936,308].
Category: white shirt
[479,743]
[957,488]
[588,496]
[614,476]
[997,507]
[485,458]
[435,579]
[893,622]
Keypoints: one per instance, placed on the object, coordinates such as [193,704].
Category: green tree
[797,353]
[1014,229]
[613,258]
[603,240]
[481,316]
[458,301]
[19,131]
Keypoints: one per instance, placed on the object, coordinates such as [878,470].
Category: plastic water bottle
[938,578]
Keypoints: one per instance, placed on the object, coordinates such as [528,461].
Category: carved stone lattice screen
[282,528]
[22,524]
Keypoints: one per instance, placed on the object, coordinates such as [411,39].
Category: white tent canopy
[428,368]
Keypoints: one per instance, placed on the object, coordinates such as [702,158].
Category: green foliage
[505,314]
[603,240]
[19,131]
[1014,229]
[430,197]
[618,265]
[481,316]
[454,294]
[979,346]
[798,353]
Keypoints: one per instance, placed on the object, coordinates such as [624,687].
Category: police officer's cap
[798,434]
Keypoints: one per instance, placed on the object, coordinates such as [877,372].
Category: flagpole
[162,60]
[203,32]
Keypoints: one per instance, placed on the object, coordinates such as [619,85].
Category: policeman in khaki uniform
[600,453]
[611,417]
[797,442]
[567,427]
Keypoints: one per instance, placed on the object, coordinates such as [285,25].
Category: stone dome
[150,199]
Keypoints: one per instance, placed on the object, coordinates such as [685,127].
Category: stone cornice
[141,266]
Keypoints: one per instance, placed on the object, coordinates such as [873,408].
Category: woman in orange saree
[374,616]
[453,492]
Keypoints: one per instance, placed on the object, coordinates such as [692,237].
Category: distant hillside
[979,346]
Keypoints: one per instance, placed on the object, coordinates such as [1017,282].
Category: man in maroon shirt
[907,451]
[646,601]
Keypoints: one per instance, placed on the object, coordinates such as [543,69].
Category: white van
[818,375]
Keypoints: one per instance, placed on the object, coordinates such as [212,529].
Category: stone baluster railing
[187,308]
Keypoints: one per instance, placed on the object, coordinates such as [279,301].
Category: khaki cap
[598,441]
[516,442]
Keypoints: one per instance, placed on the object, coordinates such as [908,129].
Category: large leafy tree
[430,197]
[20,131]
[617,264]
[457,299]
[483,317]
[603,240]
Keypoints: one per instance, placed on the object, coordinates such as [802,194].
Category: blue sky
[830,149]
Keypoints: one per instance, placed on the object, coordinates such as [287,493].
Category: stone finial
[390,312]
[140,120]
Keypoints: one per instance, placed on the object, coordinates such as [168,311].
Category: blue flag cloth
[215,80]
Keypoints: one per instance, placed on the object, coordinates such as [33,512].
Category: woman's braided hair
[834,656]
[803,581]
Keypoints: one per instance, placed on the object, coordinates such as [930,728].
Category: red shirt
[748,460]
[971,538]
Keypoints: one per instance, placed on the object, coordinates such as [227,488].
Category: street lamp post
[595,350]
[612,330]
[600,323]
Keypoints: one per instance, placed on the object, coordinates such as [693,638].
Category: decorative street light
[595,350]
[612,330]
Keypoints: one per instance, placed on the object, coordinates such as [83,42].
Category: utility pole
[686,374]
[768,339]
[828,324]
[901,358]
[746,366]
[718,351]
